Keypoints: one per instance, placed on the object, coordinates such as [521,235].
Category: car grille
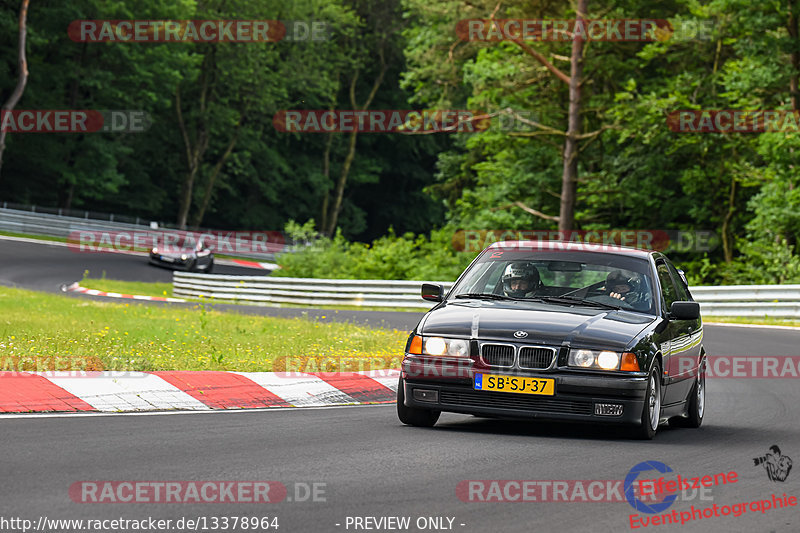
[498,354]
[536,358]
[504,400]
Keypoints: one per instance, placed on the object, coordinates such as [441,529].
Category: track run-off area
[359,469]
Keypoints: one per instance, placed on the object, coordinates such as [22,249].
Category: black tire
[697,405]
[209,268]
[651,410]
[411,416]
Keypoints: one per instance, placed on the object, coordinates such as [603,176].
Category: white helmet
[525,272]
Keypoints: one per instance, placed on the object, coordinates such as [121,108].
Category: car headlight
[154,251]
[184,257]
[603,360]
[445,347]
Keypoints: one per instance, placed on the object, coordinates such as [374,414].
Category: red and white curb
[22,392]
[75,287]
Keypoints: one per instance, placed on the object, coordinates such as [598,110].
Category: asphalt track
[44,267]
[372,466]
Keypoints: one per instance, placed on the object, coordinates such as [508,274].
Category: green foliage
[406,257]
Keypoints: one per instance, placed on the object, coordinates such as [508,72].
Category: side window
[667,287]
[683,291]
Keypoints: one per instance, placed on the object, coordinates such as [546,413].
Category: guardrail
[303,291]
[55,225]
[780,301]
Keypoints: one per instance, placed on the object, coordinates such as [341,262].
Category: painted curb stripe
[363,388]
[21,392]
[135,391]
[299,389]
[195,391]
[387,378]
[222,390]
[75,287]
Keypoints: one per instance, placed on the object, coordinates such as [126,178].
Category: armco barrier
[781,301]
[737,300]
[303,291]
[55,225]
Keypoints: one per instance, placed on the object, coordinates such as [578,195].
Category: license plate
[168,259]
[517,384]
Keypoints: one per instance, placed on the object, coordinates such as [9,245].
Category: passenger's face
[520,285]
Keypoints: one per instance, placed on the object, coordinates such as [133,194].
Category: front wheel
[413,416]
[651,410]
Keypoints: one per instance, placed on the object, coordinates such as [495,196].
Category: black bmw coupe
[557,330]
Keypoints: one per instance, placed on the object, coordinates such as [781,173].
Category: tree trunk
[326,172]
[198,219]
[795,55]
[569,178]
[330,228]
[339,194]
[23,75]
[194,154]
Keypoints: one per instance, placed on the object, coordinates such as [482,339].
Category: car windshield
[561,278]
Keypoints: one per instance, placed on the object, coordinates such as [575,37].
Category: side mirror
[433,292]
[685,310]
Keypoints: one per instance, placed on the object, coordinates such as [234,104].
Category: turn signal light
[415,347]
[629,362]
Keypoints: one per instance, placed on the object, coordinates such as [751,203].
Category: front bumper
[577,396]
[177,264]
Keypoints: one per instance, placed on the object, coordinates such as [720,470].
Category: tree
[22,79]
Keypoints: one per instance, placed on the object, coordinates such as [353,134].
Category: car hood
[188,253]
[547,324]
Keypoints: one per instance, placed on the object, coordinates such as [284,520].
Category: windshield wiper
[485,296]
[577,300]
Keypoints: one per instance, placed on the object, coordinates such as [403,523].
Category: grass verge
[49,332]
[141,288]
[766,321]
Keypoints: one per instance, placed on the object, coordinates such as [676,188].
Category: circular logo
[636,503]
[520,334]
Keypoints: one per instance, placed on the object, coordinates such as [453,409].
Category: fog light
[426,395]
[607,409]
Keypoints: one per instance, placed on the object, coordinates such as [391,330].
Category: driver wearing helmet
[520,280]
[620,287]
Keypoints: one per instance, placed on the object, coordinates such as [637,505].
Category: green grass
[753,320]
[50,332]
[30,236]
[142,288]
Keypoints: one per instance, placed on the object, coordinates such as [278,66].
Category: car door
[687,346]
[670,339]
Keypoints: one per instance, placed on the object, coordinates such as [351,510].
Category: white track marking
[136,391]
[299,389]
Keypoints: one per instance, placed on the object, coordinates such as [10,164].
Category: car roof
[568,246]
